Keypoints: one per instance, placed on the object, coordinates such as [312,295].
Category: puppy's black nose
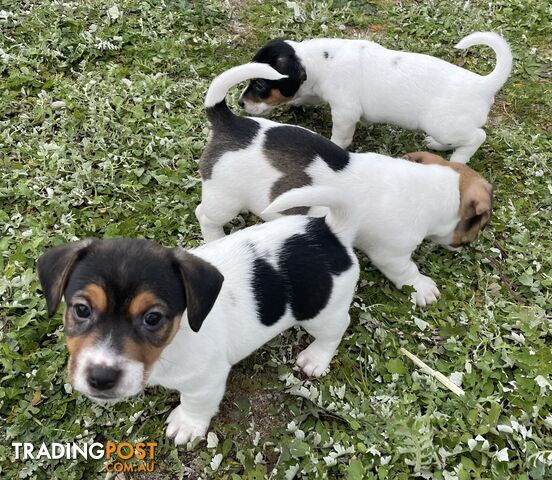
[241,103]
[103,378]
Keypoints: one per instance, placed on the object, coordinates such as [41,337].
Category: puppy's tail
[341,218]
[215,100]
[501,72]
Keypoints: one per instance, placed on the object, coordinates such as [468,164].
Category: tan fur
[142,303]
[475,196]
[75,345]
[97,297]
[149,354]
[276,98]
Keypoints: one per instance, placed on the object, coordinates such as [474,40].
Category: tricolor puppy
[248,162]
[362,80]
[140,314]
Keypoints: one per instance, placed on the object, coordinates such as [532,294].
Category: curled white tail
[341,217]
[221,84]
[503,67]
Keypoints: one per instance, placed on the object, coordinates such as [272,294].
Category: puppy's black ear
[202,283]
[292,67]
[54,268]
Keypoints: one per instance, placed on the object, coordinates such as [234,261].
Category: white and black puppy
[248,162]
[362,80]
[139,314]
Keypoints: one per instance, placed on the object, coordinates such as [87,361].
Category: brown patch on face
[76,345]
[275,98]
[142,302]
[475,197]
[96,296]
[147,353]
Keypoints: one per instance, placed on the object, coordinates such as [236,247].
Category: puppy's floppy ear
[475,210]
[291,66]
[54,268]
[202,283]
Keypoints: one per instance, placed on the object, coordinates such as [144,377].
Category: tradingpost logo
[126,453]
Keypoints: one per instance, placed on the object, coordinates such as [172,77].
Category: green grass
[119,157]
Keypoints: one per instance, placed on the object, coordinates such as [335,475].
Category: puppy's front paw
[426,291]
[315,359]
[182,428]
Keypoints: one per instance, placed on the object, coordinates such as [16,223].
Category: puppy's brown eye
[153,319]
[81,311]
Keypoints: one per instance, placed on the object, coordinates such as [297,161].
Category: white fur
[103,354]
[362,80]
[395,204]
[197,364]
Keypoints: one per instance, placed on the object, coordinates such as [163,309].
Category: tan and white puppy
[248,162]
[362,80]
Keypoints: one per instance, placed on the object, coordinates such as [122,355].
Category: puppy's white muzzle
[106,376]
[259,109]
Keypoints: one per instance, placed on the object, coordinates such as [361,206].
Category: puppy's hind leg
[433,144]
[464,152]
[213,218]
[327,333]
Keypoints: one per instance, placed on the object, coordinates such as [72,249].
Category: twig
[505,280]
[437,375]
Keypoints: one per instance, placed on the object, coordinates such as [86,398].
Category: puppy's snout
[103,378]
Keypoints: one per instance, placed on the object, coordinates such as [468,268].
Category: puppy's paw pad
[314,360]
[426,291]
[433,144]
[182,429]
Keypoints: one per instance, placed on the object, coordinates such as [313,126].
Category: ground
[101,128]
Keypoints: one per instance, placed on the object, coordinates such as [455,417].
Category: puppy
[248,162]
[362,80]
[140,314]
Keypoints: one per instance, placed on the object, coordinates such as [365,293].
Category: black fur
[303,146]
[125,268]
[291,150]
[270,292]
[230,133]
[280,56]
[303,278]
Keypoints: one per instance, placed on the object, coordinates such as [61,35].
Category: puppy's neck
[442,209]
[316,57]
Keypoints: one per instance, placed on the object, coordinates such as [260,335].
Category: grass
[101,127]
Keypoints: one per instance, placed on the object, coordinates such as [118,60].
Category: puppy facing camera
[139,314]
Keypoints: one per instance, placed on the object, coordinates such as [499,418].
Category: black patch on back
[291,150]
[303,278]
[230,133]
[270,292]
